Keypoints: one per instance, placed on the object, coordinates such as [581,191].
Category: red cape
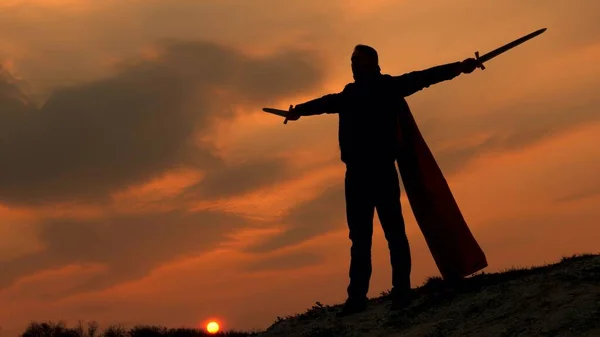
[454,249]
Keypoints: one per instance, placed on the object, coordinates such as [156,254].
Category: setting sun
[212,327]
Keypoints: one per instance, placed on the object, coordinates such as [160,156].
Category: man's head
[365,62]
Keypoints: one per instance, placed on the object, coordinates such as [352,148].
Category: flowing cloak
[452,245]
[454,249]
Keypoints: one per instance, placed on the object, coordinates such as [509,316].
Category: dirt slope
[561,299]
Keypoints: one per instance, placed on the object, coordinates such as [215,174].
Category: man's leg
[360,210]
[392,223]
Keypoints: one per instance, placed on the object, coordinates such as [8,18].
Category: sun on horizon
[212,327]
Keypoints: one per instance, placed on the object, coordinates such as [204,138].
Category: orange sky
[141,183]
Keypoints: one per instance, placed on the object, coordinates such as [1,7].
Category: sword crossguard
[479,64]
[286,117]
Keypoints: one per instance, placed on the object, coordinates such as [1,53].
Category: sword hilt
[479,64]
[286,119]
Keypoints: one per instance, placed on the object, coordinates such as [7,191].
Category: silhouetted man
[368,112]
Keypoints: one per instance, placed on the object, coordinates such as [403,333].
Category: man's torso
[368,124]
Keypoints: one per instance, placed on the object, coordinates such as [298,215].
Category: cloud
[129,246]
[308,220]
[284,262]
[457,140]
[47,284]
[95,138]
[525,237]
[587,194]
[241,178]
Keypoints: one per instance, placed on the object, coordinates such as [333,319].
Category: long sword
[481,59]
[484,58]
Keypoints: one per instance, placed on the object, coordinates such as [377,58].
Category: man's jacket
[368,112]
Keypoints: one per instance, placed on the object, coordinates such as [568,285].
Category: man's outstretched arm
[327,104]
[412,82]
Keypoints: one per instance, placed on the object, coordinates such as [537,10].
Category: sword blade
[488,56]
[278,112]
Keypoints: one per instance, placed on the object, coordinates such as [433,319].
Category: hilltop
[559,299]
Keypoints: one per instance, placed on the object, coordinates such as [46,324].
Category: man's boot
[401,298]
[353,306]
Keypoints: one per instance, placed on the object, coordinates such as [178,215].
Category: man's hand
[292,115]
[468,65]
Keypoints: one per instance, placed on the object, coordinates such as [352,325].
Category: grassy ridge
[91,329]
